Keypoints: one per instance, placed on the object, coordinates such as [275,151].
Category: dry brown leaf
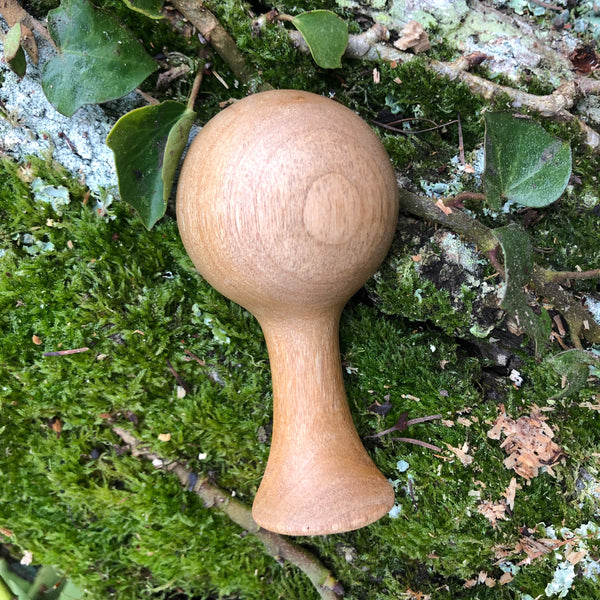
[528,443]
[461,453]
[501,552]
[535,548]
[56,426]
[493,512]
[413,37]
[506,578]
[445,209]
[511,490]
[575,556]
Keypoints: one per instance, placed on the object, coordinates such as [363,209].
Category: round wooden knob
[287,203]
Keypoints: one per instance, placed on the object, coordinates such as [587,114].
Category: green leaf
[13,51]
[326,35]
[524,164]
[12,584]
[50,584]
[518,263]
[149,8]
[148,143]
[574,366]
[5,592]
[98,59]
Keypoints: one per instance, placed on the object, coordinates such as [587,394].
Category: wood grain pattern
[287,204]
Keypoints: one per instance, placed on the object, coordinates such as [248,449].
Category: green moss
[100,287]
[408,294]
[123,529]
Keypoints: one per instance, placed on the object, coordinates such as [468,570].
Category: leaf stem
[284,17]
[195,88]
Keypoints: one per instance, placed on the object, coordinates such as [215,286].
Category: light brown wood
[287,203]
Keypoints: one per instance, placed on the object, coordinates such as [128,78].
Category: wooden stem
[319,478]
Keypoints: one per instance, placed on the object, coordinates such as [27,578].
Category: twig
[581,322]
[567,275]
[422,420]
[403,423]
[548,6]
[417,443]
[462,196]
[147,97]
[461,144]
[210,28]
[178,379]
[370,45]
[65,352]
[457,220]
[277,546]
[195,88]
[554,105]
[391,124]
[494,259]
[192,355]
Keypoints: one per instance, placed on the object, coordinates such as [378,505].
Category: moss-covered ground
[83,278]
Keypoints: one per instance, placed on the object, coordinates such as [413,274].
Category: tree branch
[371,45]
[277,546]
[210,28]
[542,281]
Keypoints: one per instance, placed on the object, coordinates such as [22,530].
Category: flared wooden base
[325,499]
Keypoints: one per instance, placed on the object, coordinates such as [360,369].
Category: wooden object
[287,203]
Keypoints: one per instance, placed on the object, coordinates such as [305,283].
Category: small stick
[192,355]
[178,379]
[417,442]
[195,88]
[422,420]
[65,352]
[277,546]
[566,275]
[546,5]
[461,145]
[412,131]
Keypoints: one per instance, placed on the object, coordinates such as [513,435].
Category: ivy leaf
[149,8]
[326,35]
[98,59]
[524,164]
[518,263]
[13,51]
[148,143]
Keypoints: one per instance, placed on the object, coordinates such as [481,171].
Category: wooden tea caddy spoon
[287,203]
